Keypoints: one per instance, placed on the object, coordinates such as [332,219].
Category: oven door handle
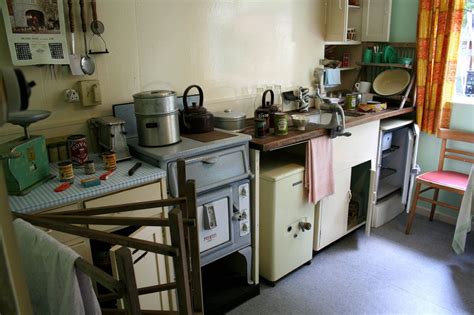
[210,160]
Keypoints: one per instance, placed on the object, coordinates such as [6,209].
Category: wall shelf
[388,65]
[349,42]
[346,68]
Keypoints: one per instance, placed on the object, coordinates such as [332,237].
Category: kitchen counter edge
[273,142]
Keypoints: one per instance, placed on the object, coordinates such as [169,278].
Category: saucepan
[230,120]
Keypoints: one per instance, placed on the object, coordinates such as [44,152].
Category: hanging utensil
[74,60]
[97,28]
[87,63]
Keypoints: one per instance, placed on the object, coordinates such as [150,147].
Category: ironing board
[466,213]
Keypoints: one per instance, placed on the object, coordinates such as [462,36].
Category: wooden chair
[182,222]
[443,179]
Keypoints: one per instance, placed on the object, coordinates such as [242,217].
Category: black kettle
[195,118]
[267,110]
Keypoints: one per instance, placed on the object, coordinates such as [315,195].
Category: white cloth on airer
[54,284]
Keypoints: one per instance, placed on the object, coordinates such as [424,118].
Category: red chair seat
[451,179]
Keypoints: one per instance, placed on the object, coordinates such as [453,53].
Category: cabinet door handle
[340,4]
[349,195]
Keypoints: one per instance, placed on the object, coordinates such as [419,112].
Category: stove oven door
[214,213]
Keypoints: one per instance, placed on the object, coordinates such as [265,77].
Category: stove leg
[247,253]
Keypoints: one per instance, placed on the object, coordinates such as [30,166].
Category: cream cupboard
[351,205]
[368,20]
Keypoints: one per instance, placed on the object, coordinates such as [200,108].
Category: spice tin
[66,172]
[260,127]
[281,124]
[78,152]
[110,160]
[53,153]
[89,167]
[63,154]
[351,101]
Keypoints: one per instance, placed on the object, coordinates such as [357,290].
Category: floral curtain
[439,28]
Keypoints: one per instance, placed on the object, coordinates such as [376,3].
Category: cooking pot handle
[185,95]
[264,96]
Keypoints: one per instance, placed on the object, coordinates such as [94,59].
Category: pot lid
[229,115]
[154,94]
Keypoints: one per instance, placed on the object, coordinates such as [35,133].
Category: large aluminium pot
[157,118]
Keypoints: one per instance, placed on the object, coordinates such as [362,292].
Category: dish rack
[369,71]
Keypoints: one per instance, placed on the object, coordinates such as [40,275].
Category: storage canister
[78,151]
[230,120]
[281,124]
[157,118]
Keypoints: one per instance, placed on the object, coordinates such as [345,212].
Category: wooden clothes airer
[184,248]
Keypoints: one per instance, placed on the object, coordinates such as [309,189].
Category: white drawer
[361,146]
[144,193]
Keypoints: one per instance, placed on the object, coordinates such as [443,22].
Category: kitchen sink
[325,117]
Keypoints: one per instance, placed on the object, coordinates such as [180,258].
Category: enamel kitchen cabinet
[354,164]
[369,20]
[286,217]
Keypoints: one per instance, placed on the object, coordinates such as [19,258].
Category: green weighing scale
[25,160]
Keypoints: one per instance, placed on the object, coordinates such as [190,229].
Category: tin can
[63,154]
[89,167]
[53,153]
[260,127]
[351,101]
[110,161]
[281,124]
[78,152]
[66,172]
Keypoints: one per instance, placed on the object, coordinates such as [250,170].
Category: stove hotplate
[187,147]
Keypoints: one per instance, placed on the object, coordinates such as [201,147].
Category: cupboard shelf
[389,151]
[386,172]
[386,189]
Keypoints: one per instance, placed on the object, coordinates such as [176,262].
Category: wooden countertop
[272,142]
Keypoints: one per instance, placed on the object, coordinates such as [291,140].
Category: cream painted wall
[228,47]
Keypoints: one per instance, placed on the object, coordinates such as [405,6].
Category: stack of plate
[390,54]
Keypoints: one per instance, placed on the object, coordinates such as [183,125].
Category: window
[465,69]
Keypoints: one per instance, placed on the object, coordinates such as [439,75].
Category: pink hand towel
[319,175]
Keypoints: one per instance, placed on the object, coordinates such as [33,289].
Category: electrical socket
[71,96]
[89,92]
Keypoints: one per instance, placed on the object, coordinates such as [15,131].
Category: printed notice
[36,31]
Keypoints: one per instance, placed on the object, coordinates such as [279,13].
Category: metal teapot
[195,118]
[267,110]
